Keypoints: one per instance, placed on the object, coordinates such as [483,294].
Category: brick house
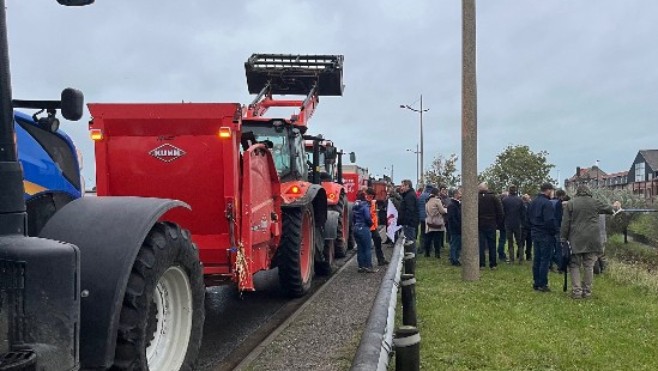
[641,178]
[643,173]
[593,177]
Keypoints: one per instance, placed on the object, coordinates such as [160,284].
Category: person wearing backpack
[580,226]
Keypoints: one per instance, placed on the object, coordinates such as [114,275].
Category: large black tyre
[296,252]
[325,266]
[340,245]
[161,322]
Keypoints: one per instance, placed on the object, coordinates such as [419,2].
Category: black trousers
[433,239]
[527,239]
[422,233]
[377,242]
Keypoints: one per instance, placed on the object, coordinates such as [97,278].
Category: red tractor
[327,165]
[243,175]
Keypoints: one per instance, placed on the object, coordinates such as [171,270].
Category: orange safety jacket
[373,215]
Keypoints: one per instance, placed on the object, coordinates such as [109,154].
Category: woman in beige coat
[435,226]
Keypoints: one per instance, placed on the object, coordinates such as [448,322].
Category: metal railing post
[407,349]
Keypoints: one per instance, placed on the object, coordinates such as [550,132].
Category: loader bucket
[289,74]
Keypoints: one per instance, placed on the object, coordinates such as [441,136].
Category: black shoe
[370,270]
[543,289]
[361,270]
[383,262]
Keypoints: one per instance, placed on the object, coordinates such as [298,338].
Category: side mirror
[72,104]
[75,2]
[352,157]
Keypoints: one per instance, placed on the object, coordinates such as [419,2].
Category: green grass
[500,323]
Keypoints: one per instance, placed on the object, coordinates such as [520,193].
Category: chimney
[578,171]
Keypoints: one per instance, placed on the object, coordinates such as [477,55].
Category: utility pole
[420,151]
[422,168]
[470,241]
[417,152]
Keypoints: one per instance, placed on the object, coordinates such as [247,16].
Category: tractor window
[280,145]
[281,154]
[300,160]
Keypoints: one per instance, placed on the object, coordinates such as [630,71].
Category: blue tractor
[51,167]
[91,283]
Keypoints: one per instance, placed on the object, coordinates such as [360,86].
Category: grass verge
[500,323]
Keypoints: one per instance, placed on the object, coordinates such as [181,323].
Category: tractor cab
[279,74]
[284,141]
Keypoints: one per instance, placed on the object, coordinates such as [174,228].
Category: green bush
[632,253]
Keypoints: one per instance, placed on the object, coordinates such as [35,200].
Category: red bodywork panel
[176,151]
[354,178]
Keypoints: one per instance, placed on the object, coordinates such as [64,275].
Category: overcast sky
[575,78]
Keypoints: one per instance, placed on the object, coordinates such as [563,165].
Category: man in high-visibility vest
[376,239]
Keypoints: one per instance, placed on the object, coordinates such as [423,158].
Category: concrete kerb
[377,340]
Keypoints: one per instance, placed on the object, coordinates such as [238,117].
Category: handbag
[430,222]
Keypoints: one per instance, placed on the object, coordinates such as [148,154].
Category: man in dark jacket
[514,213]
[541,215]
[490,218]
[454,225]
[408,211]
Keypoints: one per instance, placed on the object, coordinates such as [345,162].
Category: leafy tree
[520,166]
[443,171]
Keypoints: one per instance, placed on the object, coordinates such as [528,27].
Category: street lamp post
[420,112]
[417,152]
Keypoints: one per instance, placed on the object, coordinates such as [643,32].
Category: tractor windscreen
[278,143]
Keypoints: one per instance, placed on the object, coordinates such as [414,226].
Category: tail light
[96,134]
[224,132]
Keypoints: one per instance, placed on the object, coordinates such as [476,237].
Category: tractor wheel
[326,266]
[161,322]
[296,251]
[343,227]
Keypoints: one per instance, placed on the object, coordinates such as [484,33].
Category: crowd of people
[512,228]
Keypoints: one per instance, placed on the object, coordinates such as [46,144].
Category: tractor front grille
[12,285]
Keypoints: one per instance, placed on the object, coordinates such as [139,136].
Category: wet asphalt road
[235,325]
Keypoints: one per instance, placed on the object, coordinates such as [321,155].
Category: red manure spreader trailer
[244,176]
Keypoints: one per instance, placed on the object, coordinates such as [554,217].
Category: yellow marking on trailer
[32,188]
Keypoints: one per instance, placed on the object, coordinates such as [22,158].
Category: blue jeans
[502,238]
[488,241]
[544,246]
[455,248]
[363,246]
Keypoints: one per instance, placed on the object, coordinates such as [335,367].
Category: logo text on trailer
[167,153]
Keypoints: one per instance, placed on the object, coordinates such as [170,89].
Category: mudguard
[331,226]
[318,196]
[109,231]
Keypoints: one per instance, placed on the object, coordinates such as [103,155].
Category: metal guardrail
[377,340]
